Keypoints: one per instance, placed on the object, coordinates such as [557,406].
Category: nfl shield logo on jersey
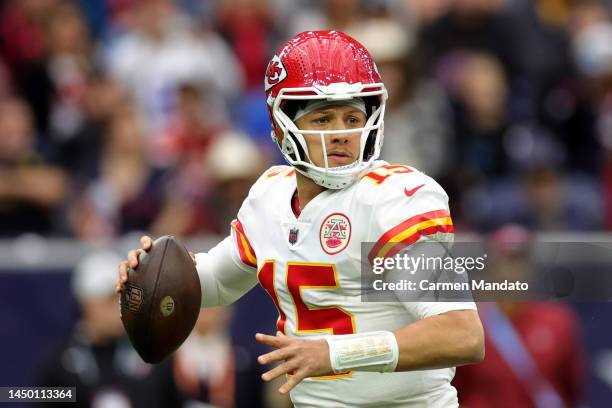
[293,235]
[335,233]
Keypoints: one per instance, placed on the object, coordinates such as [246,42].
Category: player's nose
[341,137]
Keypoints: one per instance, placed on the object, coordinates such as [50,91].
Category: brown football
[161,300]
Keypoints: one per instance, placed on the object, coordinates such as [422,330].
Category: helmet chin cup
[334,179]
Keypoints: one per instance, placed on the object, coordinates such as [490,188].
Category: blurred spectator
[31,191]
[23,31]
[592,50]
[481,116]
[568,106]
[128,194]
[248,25]
[341,15]
[479,90]
[80,154]
[98,359]
[205,365]
[206,193]
[417,128]
[560,203]
[472,25]
[23,46]
[542,197]
[233,163]
[210,369]
[97,13]
[69,64]
[163,51]
[191,130]
[253,118]
[534,353]
[425,12]
[583,14]
[543,61]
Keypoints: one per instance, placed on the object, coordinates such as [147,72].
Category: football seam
[153,306]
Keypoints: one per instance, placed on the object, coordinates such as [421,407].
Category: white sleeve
[415,224]
[427,309]
[223,277]
[426,304]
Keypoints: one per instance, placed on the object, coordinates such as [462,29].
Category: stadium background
[119,117]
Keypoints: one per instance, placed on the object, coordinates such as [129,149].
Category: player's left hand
[303,357]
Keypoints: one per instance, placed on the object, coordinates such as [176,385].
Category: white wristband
[371,351]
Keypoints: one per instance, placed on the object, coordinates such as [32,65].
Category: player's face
[341,148]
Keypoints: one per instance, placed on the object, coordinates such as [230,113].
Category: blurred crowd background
[126,116]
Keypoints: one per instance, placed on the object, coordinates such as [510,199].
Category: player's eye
[321,120]
[354,121]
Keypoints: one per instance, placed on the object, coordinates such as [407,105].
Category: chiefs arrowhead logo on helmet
[275,73]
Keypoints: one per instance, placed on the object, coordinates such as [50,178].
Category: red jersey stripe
[245,250]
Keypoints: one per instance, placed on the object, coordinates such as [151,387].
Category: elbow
[475,352]
[472,348]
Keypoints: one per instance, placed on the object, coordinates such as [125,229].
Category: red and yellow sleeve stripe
[247,255]
[410,231]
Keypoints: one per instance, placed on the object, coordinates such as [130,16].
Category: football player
[299,234]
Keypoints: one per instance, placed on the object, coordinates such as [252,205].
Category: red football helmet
[324,65]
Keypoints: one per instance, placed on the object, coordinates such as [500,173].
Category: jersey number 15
[308,319]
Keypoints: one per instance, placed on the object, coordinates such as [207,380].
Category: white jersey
[310,265]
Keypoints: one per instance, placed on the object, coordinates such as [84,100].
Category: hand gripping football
[161,300]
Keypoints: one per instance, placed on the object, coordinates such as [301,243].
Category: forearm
[445,340]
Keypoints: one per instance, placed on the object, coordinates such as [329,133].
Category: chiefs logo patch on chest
[335,233]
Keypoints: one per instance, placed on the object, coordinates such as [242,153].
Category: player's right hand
[146,244]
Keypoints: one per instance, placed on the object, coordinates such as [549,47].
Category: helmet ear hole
[290,108]
[301,155]
[371,103]
[368,149]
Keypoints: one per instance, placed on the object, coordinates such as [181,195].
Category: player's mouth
[340,157]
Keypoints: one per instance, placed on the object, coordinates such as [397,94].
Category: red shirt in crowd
[551,334]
